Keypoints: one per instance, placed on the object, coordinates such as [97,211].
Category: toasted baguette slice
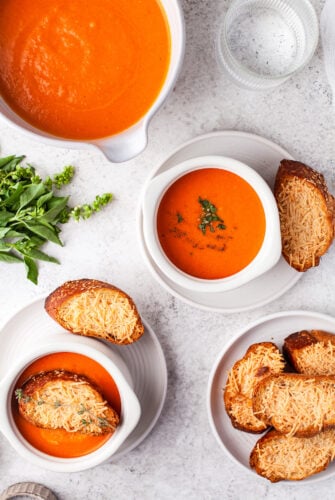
[306,211]
[296,404]
[259,361]
[277,457]
[311,352]
[95,309]
[62,400]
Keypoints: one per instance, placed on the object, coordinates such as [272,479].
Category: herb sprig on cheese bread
[59,399]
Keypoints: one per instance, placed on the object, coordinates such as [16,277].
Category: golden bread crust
[259,361]
[311,352]
[306,211]
[96,309]
[295,404]
[279,457]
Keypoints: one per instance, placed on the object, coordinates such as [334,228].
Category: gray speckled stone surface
[180,458]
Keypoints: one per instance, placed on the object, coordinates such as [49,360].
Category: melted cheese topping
[102,312]
[305,226]
[243,378]
[295,405]
[70,405]
[317,359]
[293,458]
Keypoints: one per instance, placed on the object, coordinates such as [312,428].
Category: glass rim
[248,73]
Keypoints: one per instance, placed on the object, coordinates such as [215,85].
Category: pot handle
[124,146]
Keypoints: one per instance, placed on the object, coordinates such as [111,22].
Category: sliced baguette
[311,352]
[296,404]
[259,361]
[306,211]
[278,457]
[95,309]
[62,400]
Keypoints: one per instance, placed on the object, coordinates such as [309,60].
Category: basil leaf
[4,247]
[14,197]
[44,199]
[56,200]
[58,204]
[31,192]
[45,232]
[12,163]
[37,254]
[6,160]
[15,234]
[4,231]
[31,268]
[5,217]
[36,241]
[9,257]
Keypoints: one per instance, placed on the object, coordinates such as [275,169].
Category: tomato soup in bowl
[87,71]
[211,224]
[60,442]
[68,405]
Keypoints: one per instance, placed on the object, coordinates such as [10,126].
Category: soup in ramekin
[49,400]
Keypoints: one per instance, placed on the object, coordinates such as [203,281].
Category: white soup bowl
[268,254]
[111,362]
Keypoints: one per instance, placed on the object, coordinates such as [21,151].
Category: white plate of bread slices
[271,396]
[100,310]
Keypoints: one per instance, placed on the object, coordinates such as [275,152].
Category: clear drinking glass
[261,43]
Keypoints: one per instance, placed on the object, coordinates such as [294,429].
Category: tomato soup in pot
[80,69]
[211,223]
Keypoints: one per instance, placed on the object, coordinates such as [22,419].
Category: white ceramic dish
[237,444]
[145,361]
[268,254]
[262,155]
[132,141]
[99,352]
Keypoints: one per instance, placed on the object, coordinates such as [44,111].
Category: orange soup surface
[211,223]
[82,69]
[59,442]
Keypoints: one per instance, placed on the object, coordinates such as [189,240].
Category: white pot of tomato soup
[57,448]
[211,224]
[80,74]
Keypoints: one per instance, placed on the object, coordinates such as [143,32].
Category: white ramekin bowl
[268,254]
[132,141]
[108,359]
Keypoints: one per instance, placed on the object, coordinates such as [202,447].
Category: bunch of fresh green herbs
[31,213]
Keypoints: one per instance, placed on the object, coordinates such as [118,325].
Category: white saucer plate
[145,360]
[262,155]
[275,328]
